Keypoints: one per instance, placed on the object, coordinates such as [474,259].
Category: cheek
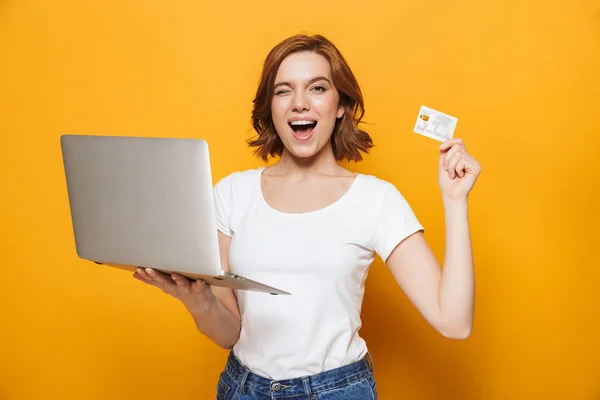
[327,106]
[279,115]
[278,108]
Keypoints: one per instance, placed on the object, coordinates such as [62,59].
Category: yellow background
[521,76]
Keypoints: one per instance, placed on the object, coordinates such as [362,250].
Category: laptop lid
[142,201]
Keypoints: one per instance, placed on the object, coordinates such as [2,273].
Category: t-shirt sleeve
[395,223]
[223,203]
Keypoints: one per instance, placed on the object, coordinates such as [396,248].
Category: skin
[307,177]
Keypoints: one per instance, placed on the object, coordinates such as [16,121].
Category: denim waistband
[326,380]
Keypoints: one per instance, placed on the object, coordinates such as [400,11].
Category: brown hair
[347,139]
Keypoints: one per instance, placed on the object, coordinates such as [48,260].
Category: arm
[444,296]
[220,318]
[214,309]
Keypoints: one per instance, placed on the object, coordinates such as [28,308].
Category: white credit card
[435,124]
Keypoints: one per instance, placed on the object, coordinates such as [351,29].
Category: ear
[340,111]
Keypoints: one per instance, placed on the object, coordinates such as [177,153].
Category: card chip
[435,124]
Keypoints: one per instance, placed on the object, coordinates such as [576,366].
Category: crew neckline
[341,199]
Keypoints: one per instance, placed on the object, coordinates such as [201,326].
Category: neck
[323,162]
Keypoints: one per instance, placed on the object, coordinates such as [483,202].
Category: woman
[313,228]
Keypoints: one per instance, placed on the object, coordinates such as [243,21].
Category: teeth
[302,122]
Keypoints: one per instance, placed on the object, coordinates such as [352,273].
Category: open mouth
[303,128]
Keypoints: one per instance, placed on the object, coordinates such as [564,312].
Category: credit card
[435,124]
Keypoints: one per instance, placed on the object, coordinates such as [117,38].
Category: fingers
[199,285]
[158,277]
[448,156]
[186,283]
[461,167]
[452,151]
[141,275]
[452,164]
[451,142]
[152,277]
[461,164]
[181,281]
[173,284]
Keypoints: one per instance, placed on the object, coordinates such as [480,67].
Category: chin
[303,151]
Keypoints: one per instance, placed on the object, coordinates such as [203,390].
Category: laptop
[147,202]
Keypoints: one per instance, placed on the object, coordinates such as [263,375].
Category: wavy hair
[347,139]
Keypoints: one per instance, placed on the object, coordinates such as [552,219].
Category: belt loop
[243,381]
[369,361]
[306,384]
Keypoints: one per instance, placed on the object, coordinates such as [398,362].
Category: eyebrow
[310,82]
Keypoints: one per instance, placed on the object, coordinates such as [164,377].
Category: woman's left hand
[457,170]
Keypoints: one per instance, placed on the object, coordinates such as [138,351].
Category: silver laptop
[147,202]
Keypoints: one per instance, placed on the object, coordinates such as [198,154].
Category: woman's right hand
[195,295]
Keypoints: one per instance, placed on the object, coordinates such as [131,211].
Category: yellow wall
[521,76]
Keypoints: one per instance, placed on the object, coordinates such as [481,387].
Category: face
[305,103]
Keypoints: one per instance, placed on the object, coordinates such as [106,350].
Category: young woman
[313,228]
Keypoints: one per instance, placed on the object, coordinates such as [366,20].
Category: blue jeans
[350,382]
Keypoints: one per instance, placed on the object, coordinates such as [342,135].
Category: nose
[300,102]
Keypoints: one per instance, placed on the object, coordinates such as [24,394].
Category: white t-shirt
[321,257]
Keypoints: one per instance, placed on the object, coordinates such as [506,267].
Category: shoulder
[376,186]
[382,194]
[239,177]
[238,181]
